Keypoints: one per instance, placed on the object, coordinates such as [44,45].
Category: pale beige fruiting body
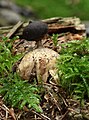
[41,62]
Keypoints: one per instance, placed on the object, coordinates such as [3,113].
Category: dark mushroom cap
[35,31]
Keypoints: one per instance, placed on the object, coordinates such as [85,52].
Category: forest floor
[55,102]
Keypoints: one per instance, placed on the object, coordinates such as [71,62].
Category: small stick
[5,27]
[8,111]
[44,117]
[63,116]
[55,101]
[14,29]
[51,20]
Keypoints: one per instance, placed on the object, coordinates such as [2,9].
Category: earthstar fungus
[39,63]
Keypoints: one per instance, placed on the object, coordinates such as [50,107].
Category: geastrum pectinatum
[39,63]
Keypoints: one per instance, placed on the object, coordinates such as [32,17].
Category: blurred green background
[62,8]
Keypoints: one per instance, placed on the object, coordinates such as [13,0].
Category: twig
[8,111]
[51,20]
[55,101]
[45,117]
[42,116]
[74,111]
[55,85]
[14,29]
[63,116]
[63,100]
[6,27]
